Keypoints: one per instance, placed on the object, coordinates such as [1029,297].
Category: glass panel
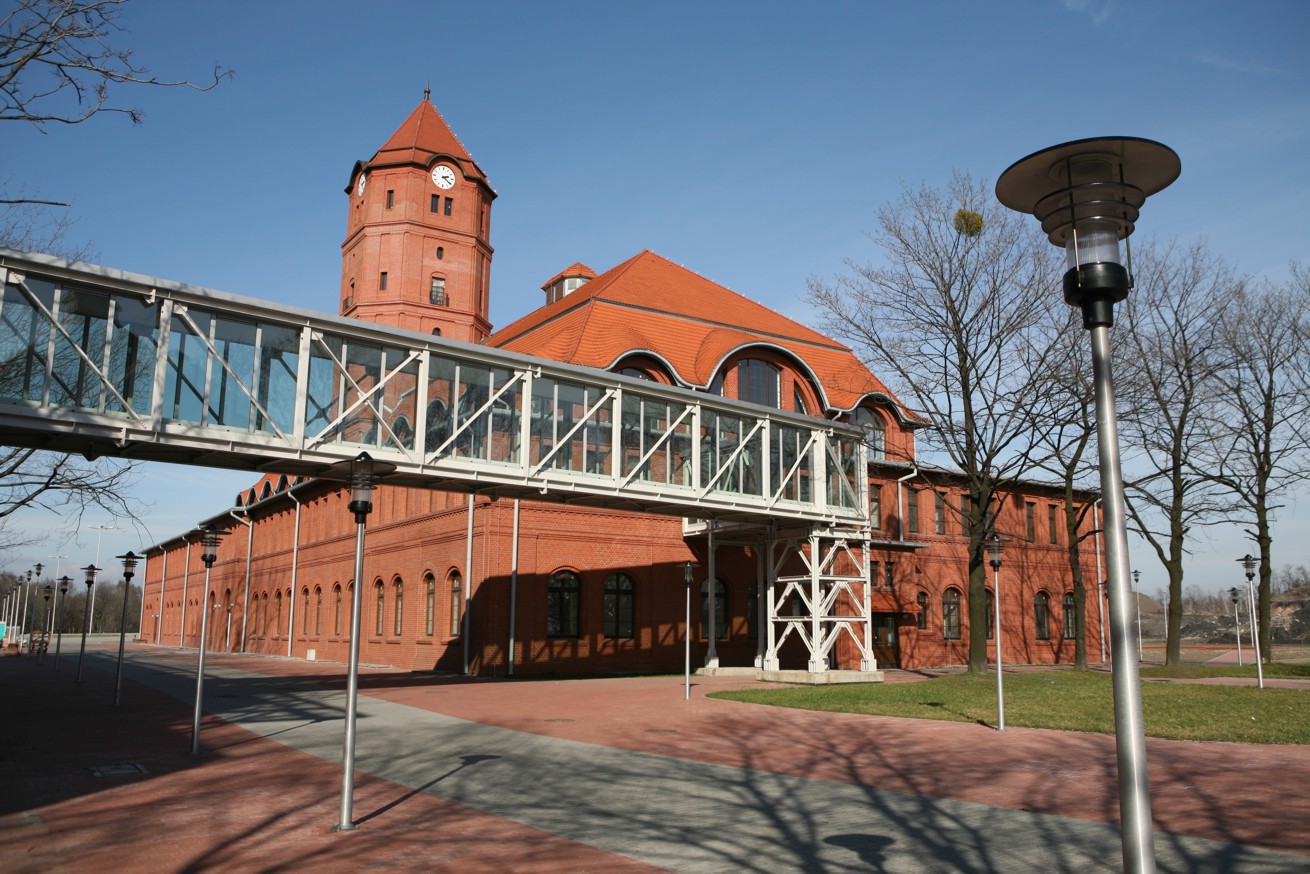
[23,340]
[279,359]
[85,316]
[184,392]
[229,405]
[132,353]
[441,395]
[322,395]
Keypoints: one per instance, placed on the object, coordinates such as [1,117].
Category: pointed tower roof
[423,136]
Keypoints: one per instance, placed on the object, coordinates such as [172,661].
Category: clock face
[359,189]
[443,176]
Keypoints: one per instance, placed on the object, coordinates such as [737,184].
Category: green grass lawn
[1070,701]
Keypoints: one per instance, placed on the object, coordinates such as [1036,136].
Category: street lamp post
[1248,564]
[64,582]
[1137,602]
[90,571]
[1087,195]
[46,592]
[209,536]
[1237,624]
[129,560]
[994,552]
[362,473]
[686,636]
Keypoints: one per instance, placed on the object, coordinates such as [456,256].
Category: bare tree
[1172,328]
[1260,450]
[1066,447]
[953,319]
[63,485]
[59,63]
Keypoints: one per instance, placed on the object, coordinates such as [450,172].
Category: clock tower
[417,253]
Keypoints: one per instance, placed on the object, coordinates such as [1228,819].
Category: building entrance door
[886,645]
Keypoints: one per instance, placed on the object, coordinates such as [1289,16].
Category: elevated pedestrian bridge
[105,363]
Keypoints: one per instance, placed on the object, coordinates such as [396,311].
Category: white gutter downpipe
[295,568]
[186,576]
[141,620]
[250,538]
[468,582]
[513,583]
[900,508]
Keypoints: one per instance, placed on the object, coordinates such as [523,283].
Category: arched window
[720,609]
[268,615]
[381,595]
[336,610]
[875,430]
[318,610]
[456,603]
[304,610]
[635,372]
[563,604]
[1042,615]
[757,382]
[1070,629]
[619,606]
[430,608]
[399,607]
[277,600]
[923,611]
[951,614]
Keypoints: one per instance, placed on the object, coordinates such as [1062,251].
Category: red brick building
[495,586]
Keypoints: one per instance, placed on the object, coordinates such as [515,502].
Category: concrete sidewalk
[585,775]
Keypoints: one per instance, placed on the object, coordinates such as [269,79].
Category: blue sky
[749,141]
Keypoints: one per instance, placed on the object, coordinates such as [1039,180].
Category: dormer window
[875,431]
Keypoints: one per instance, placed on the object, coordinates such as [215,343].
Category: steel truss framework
[828,600]
[101,362]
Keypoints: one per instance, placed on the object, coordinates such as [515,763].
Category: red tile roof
[650,304]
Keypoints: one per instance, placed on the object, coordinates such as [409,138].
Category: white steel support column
[819,641]
[868,661]
[770,593]
[711,586]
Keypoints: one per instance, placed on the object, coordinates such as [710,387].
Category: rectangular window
[435,204]
[875,506]
[887,575]
[939,513]
[912,510]
[449,205]
[1050,522]
[966,507]
[437,293]
[382,281]
[1030,520]
[875,572]
[391,198]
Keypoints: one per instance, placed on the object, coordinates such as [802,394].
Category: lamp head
[209,535]
[686,573]
[1088,194]
[362,473]
[47,591]
[129,560]
[63,584]
[90,571]
[994,549]
[1248,564]
[1232,593]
